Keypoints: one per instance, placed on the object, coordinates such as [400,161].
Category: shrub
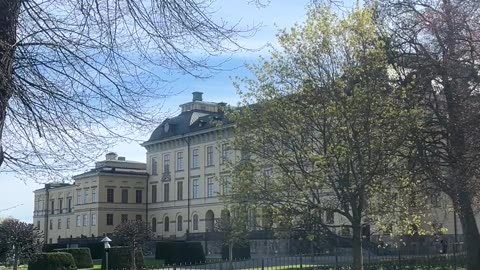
[52,261]
[52,247]
[120,258]
[179,252]
[82,256]
[239,252]
[97,250]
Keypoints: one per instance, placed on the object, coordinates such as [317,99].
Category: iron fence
[329,262]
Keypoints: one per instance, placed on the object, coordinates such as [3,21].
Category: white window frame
[195,188]
[210,186]
[179,163]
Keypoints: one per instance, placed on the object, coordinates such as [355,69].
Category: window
[124,195]
[94,219]
[69,205]
[267,174]
[166,224]
[85,197]
[109,219]
[154,166]
[209,155]
[59,224]
[138,217]
[52,207]
[79,221]
[68,223]
[166,192]
[124,218]
[60,205]
[195,158]
[226,184]
[179,161]
[180,190]
[252,219]
[138,196]
[195,222]
[330,217]
[50,226]
[110,195]
[210,186]
[154,193]
[79,197]
[435,199]
[154,225]
[166,163]
[38,225]
[179,223]
[94,195]
[195,189]
[225,153]
[85,220]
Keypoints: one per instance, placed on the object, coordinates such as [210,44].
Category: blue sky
[279,14]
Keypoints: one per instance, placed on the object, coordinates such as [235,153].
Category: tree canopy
[324,129]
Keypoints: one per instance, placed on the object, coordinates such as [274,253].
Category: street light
[106,243]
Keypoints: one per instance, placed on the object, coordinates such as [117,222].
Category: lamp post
[106,243]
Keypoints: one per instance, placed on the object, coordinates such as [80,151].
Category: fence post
[263,264]
[301,262]
[399,259]
[336,258]
[174,267]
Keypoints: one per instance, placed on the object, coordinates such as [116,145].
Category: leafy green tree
[435,45]
[234,229]
[323,130]
[19,240]
[134,234]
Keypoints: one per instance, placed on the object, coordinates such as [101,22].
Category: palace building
[178,190]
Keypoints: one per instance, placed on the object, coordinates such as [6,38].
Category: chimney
[111,156]
[197,96]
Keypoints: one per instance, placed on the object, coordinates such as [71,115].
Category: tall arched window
[166,224]
[179,223]
[209,221]
[154,225]
[195,222]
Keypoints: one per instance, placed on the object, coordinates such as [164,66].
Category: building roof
[191,120]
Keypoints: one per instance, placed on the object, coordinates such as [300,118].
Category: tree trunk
[15,258]
[134,267]
[357,247]
[470,231]
[9,11]
[230,256]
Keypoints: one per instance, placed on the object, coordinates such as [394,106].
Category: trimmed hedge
[120,258]
[52,261]
[82,256]
[97,250]
[239,252]
[52,247]
[180,252]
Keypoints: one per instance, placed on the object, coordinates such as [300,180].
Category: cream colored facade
[180,184]
[87,208]
[188,172]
